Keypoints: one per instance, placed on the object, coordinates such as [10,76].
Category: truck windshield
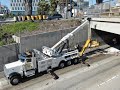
[22,58]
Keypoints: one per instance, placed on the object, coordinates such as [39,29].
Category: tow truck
[32,62]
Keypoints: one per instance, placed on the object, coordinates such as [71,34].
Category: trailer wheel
[75,61]
[14,80]
[62,65]
[69,63]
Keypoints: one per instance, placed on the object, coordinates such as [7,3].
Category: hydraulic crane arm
[84,47]
[90,43]
[52,51]
[70,35]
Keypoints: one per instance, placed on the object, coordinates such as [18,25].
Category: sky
[7,2]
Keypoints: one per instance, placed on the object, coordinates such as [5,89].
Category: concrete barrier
[44,16]
[15,19]
[39,17]
[36,17]
[28,17]
[23,18]
[32,17]
[19,18]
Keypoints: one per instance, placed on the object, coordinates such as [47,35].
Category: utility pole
[80,9]
[0,6]
[110,8]
[66,9]
[71,8]
[101,8]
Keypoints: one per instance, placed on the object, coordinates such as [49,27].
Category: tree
[53,6]
[28,7]
[43,7]
[47,8]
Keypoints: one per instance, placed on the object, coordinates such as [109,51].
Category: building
[118,3]
[81,4]
[3,9]
[17,7]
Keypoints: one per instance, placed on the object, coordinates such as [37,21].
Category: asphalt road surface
[74,77]
[100,76]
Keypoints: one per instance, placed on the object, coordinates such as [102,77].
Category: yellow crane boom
[90,43]
[85,46]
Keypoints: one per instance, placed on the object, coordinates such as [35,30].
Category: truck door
[42,65]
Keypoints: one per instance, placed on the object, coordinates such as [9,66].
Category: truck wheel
[62,65]
[69,63]
[75,61]
[14,80]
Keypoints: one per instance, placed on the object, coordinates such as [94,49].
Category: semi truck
[32,62]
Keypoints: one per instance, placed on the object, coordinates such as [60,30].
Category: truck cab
[25,66]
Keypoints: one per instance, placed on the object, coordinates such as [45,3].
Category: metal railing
[104,9]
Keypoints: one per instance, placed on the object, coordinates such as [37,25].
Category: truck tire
[69,62]
[62,65]
[75,61]
[14,80]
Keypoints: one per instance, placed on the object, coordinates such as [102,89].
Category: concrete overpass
[111,25]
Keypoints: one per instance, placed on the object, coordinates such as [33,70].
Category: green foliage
[43,7]
[19,27]
[47,8]
[53,6]
[2,43]
[15,28]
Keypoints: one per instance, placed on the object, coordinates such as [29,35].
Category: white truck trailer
[35,61]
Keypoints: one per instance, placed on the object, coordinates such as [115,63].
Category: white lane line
[114,77]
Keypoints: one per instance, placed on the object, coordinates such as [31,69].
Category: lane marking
[112,78]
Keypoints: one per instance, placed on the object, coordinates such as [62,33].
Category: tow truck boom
[52,51]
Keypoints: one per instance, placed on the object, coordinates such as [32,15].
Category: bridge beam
[111,25]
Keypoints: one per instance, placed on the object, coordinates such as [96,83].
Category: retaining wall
[51,38]
[9,53]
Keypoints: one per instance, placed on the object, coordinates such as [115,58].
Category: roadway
[75,77]
[97,77]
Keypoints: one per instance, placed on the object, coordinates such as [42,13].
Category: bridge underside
[106,37]
[111,25]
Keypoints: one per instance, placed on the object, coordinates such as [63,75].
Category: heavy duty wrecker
[34,61]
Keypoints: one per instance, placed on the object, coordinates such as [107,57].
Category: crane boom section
[85,46]
[70,35]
